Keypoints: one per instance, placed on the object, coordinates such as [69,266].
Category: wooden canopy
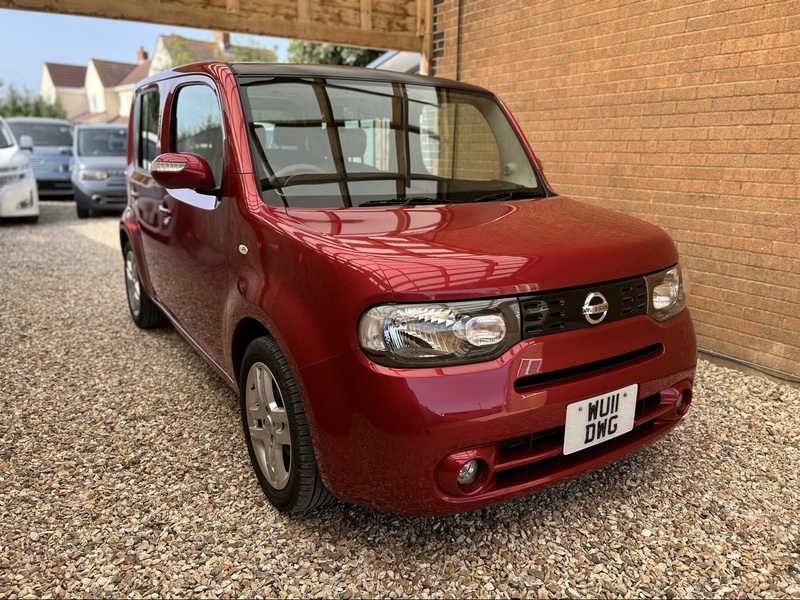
[381,24]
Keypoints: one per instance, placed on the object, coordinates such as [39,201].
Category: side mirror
[182,170]
[25,142]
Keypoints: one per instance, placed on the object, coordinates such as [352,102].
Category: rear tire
[276,431]
[143,310]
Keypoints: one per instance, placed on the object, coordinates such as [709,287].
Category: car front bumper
[394,439]
[100,195]
[19,199]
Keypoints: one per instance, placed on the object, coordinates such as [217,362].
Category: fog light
[468,472]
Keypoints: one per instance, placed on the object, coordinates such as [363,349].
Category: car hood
[102,162]
[494,248]
[12,156]
[63,151]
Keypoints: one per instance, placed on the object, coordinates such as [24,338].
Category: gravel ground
[124,473]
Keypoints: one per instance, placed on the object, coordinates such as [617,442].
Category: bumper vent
[553,312]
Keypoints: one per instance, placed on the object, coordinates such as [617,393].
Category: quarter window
[146,142]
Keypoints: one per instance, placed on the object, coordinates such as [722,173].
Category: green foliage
[328,54]
[14,103]
[252,52]
[179,53]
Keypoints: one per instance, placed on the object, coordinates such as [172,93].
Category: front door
[185,232]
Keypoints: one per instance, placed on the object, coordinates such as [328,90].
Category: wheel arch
[124,238]
[247,330]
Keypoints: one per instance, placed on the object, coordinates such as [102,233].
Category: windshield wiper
[405,201]
[511,195]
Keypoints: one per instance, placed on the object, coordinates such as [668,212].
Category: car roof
[101,126]
[254,69]
[38,120]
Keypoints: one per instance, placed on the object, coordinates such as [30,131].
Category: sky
[30,39]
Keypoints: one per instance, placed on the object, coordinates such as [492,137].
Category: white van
[19,196]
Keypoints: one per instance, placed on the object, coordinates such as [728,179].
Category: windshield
[43,134]
[6,140]
[332,143]
[102,141]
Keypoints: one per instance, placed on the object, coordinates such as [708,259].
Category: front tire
[276,431]
[143,310]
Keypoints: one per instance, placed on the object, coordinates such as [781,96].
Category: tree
[328,54]
[27,104]
[253,51]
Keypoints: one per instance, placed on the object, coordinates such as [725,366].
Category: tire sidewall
[265,350]
[137,317]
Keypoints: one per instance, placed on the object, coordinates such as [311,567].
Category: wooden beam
[232,6]
[304,11]
[425,31]
[277,18]
[366,15]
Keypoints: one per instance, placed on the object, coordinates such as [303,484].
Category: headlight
[447,333]
[667,297]
[92,175]
[15,173]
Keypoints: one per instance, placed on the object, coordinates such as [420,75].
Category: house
[104,103]
[102,91]
[67,84]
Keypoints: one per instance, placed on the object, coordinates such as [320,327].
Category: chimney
[223,38]
[141,55]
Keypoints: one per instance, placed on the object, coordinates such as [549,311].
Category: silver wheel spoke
[261,435]
[281,422]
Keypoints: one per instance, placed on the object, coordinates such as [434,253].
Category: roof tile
[68,76]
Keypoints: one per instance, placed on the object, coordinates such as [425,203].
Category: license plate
[599,419]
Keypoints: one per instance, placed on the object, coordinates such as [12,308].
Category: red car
[414,319]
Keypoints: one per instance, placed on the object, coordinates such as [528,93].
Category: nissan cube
[414,319]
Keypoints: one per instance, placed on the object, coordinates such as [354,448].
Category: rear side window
[145,142]
[198,125]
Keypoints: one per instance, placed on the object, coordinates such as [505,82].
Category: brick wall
[684,113]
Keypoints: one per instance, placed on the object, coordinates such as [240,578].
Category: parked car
[50,154]
[19,197]
[413,318]
[98,168]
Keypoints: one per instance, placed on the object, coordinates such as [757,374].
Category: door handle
[165,210]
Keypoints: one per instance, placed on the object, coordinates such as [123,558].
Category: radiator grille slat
[562,310]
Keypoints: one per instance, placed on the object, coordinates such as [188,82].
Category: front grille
[51,164]
[562,310]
